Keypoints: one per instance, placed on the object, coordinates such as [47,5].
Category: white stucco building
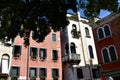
[5,58]
[78,51]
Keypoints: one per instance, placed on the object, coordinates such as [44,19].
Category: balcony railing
[71,58]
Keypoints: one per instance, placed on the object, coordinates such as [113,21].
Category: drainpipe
[78,15]
[27,64]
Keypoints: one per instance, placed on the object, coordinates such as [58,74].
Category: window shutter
[30,51]
[13,51]
[45,72]
[20,49]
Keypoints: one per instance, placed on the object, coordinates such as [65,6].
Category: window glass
[87,31]
[14,73]
[33,73]
[105,56]
[33,53]
[67,49]
[55,54]
[100,33]
[95,73]
[55,74]
[91,51]
[16,50]
[43,53]
[54,37]
[112,53]
[79,73]
[43,73]
[73,48]
[107,30]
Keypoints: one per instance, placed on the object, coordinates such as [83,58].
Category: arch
[74,27]
[91,51]
[87,31]
[5,63]
[100,33]
[73,48]
[107,30]
[112,52]
[105,55]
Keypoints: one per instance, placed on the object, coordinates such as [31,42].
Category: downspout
[78,15]
[27,64]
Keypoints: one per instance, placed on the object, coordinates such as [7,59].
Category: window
[73,48]
[74,32]
[16,51]
[95,73]
[55,74]
[104,31]
[105,55]
[112,53]
[33,53]
[5,63]
[109,54]
[87,32]
[100,33]
[67,49]
[14,73]
[33,73]
[79,73]
[55,54]
[107,30]
[91,51]
[43,73]
[43,53]
[54,37]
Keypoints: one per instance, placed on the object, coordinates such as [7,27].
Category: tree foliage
[40,16]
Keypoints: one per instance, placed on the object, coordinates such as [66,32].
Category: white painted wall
[3,63]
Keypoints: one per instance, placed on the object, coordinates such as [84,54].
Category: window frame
[17,74]
[54,37]
[35,53]
[91,53]
[17,49]
[44,75]
[55,73]
[34,75]
[54,55]
[109,56]
[44,53]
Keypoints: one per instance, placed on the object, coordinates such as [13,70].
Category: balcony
[72,59]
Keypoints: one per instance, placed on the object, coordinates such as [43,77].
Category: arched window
[107,30]
[91,51]
[112,53]
[74,27]
[100,33]
[105,55]
[5,63]
[67,49]
[72,47]
[87,31]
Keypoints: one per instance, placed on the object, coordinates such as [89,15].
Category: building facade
[5,58]
[38,61]
[78,52]
[107,40]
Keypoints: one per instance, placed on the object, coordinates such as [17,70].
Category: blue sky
[102,14]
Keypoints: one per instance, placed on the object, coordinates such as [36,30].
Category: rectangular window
[33,73]
[43,53]
[95,73]
[55,74]
[55,54]
[14,73]
[79,73]
[33,53]
[43,73]
[54,37]
[16,51]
